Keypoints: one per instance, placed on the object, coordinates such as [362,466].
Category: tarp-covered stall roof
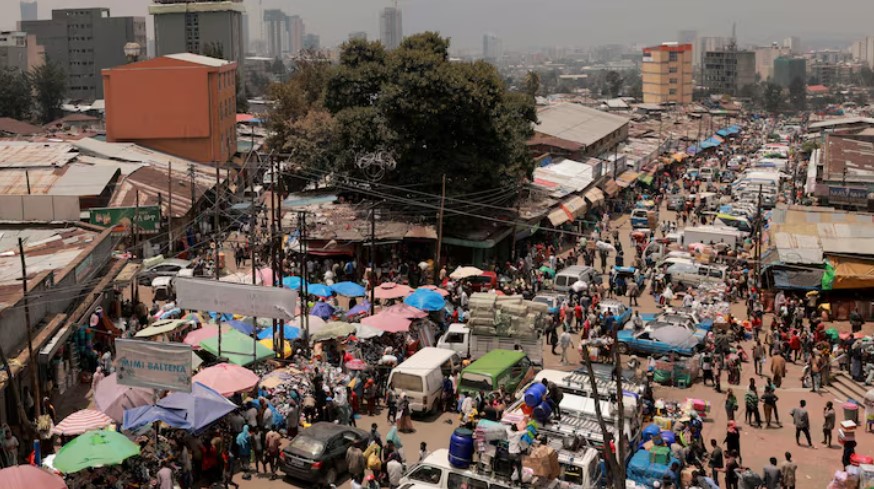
[797,279]
[852,273]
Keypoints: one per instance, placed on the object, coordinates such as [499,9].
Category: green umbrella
[545,269]
[95,449]
[334,329]
[238,348]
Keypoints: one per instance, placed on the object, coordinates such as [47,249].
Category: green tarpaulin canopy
[238,348]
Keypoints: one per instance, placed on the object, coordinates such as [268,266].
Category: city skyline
[555,23]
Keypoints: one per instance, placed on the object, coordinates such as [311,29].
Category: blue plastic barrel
[542,412]
[461,448]
[669,437]
[534,395]
[650,431]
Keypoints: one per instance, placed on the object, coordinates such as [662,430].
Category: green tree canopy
[772,97]
[49,83]
[15,97]
[798,94]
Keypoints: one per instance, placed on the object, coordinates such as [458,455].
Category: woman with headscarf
[405,421]
[393,437]
[732,439]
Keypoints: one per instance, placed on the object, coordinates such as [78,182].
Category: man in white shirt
[395,471]
[514,448]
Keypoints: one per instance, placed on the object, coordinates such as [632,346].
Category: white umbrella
[464,272]
[579,286]
[316,323]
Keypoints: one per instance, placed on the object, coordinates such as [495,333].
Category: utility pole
[215,239]
[170,243]
[372,260]
[37,388]
[620,409]
[515,222]
[136,223]
[304,310]
[280,258]
[758,243]
[27,179]
[252,251]
[440,232]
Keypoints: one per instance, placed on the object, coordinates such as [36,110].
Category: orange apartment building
[666,72]
[180,104]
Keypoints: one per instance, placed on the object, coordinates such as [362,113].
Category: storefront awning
[627,178]
[594,196]
[127,274]
[610,187]
[798,279]
[567,210]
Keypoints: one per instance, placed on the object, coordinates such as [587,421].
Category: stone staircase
[844,387]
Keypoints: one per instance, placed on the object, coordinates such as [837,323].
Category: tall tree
[302,92]
[532,83]
[242,95]
[49,83]
[613,82]
[436,117]
[798,94]
[772,97]
[15,97]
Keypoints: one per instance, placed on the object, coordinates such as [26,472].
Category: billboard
[246,300]
[848,195]
[153,364]
[148,218]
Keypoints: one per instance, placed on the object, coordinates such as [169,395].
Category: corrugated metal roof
[14,181]
[855,246]
[797,249]
[23,154]
[563,178]
[84,180]
[577,123]
[198,59]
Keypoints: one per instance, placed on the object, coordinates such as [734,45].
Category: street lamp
[132,51]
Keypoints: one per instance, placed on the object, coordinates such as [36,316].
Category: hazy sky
[524,23]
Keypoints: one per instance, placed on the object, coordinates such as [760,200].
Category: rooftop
[23,154]
[18,128]
[849,158]
[577,123]
[198,59]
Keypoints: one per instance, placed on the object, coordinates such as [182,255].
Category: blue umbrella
[319,290]
[426,300]
[172,312]
[363,308]
[322,310]
[143,415]
[290,332]
[202,407]
[292,283]
[242,326]
[349,289]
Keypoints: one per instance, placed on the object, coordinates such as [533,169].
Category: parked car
[676,202]
[661,339]
[620,310]
[318,453]
[166,268]
[552,300]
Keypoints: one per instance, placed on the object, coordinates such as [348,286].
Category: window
[672,91]
[673,56]
[672,81]
[426,473]
[672,69]
[460,481]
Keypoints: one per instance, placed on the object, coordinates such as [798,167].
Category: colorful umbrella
[391,290]
[549,271]
[319,290]
[227,379]
[206,331]
[388,322]
[365,332]
[286,350]
[138,417]
[440,291]
[290,332]
[322,310]
[242,326]
[363,308]
[426,300]
[80,422]
[29,477]
[334,329]
[202,406]
[292,283]
[315,323]
[406,311]
[95,449]
[238,348]
[112,399]
[348,289]
[356,364]
[161,327]
[464,272]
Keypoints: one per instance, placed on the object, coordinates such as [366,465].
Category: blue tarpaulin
[143,415]
[322,310]
[319,290]
[290,332]
[292,283]
[242,326]
[710,143]
[426,300]
[692,150]
[202,407]
[642,471]
[348,289]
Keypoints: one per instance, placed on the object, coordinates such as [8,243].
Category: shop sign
[848,195]
[148,218]
[153,365]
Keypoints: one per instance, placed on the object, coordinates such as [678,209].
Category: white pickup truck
[463,340]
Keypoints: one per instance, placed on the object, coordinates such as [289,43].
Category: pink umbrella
[82,421]
[227,379]
[112,399]
[195,337]
[405,311]
[391,290]
[440,291]
[29,477]
[388,322]
[266,277]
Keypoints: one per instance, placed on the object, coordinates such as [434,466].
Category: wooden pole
[372,260]
[170,244]
[215,238]
[440,232]
[34,368]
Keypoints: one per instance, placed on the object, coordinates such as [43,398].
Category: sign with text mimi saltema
[153,364]
[848,195]
[148,218]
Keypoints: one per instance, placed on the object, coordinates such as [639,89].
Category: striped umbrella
[82,421]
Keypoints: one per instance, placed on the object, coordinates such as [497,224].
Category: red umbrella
[227,379]
[29,477]
[356,364]
[405,311]
[388,322]
[391,290]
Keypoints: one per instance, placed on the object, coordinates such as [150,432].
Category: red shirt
[578,311]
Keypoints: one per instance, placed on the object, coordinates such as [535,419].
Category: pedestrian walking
[717,461]
[787,472]
[732,439]
[828,423]
[751,401]
[565,342]
[769,404]
[801,420]
[771,474]
[778,368]
[730,404]
[758,357]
